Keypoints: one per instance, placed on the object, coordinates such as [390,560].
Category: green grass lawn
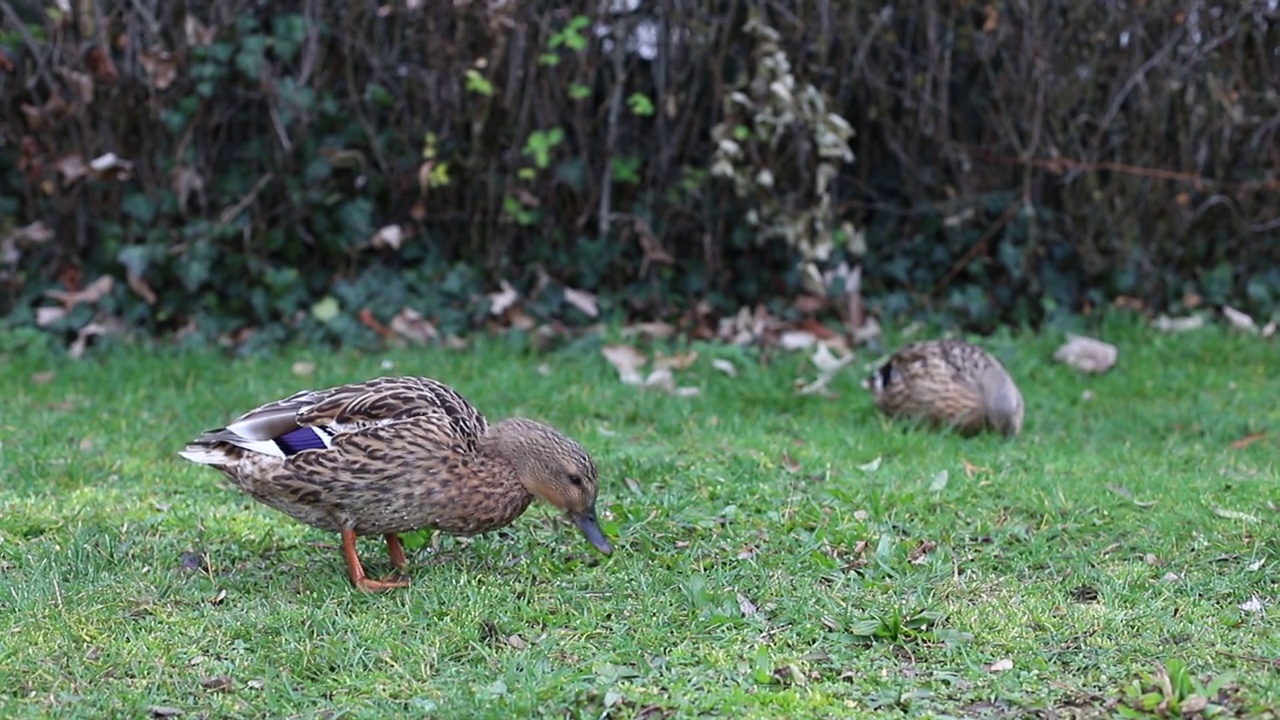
[768,556]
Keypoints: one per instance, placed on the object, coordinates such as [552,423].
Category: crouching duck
[949,383]
[397,454]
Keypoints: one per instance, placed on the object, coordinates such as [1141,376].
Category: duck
[949,383]
[393,455]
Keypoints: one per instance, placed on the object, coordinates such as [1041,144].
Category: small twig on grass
[1273,662]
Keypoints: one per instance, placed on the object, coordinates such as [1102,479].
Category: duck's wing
[321,419]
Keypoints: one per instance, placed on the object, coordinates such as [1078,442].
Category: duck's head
[1002,401]
[556,469]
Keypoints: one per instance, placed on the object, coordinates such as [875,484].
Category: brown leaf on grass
[920,553]
[725,367]
[828,364]
[43,378]
[71,168]
[627,361]
[970,469]
[303,367]
[677,361]
[503,299]
[217,683]
[91,294]
[999,666]
[1239,320]
[747,607]
[1087,354]
[657,330]
[161,67]
[517,642]
[1248,440]
[584,301]
[164,711]
[797,340]
[789,463]
[102,325]
[409,324]
[1164,323]
[218,598]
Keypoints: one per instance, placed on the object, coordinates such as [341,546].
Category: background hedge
[258,170]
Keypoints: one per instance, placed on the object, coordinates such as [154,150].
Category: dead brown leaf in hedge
[161,67]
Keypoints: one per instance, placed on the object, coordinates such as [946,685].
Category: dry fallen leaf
[92,293]
[82,83]
[657,330]
[1235,515]
[676,362]
[140,287]
[198,34]
[1248,440]
[409,324]
[1252,605]
[920,553]
[871,466]
[49,315]
[71,167]
[1239,320]
[388,237]
[1164,323]
[725,367]
[828,364]
[999,666]
[42,378]
[216,683]
[110,167]
[161,67]
[747,607]
[1087,354]
[584,301]
[164,711]
[797,340]
[627,361]
[218,598]
[503,299]
[303,367]
[107,326]
[517,642]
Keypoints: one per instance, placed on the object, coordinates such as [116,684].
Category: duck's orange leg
[396,551]
[356,570]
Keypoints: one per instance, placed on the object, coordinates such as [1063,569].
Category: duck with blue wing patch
[398,454]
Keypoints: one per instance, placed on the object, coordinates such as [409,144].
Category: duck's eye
[575,480]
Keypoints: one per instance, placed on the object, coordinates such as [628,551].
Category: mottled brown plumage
[398,454]
[949,383]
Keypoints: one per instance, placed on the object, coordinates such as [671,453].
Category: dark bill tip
[587,523]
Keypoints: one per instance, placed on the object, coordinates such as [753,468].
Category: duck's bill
[590,527]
